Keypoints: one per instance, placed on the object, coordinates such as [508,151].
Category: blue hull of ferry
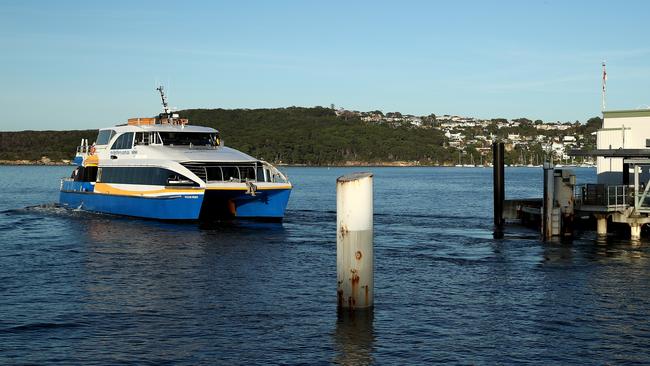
[269,204]
[266,204]
[180,207]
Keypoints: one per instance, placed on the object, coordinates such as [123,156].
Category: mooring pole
[547,205]
[354,252]
[498,186]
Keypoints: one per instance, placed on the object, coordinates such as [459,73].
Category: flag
[604,77]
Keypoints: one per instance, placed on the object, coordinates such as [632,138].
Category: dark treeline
[32,145]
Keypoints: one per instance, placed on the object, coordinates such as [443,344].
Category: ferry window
[131,175]
[124,141]
[189,138]
[155,138]
[142,138]
[104,137]
[230,173]
[247,173]
[214,173]
[144,175]
[260,174]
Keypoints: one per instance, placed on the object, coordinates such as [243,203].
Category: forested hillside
[294,135]
[32,145]
[317,136]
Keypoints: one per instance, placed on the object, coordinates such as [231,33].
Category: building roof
[613,153]
[627,113]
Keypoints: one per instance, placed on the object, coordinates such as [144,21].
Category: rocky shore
[42,161]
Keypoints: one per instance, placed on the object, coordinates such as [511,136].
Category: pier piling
[635,231]
[354,248]
[601,224]
[547,202]
[498,187]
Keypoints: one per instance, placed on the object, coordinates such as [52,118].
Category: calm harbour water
[79,288]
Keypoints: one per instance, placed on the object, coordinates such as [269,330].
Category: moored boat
[165,168]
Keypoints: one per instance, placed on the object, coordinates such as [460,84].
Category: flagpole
[604,85]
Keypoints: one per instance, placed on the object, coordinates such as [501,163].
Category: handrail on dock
[610,197]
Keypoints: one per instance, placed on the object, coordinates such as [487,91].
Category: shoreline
[34,162]
[347,164]
[342,165]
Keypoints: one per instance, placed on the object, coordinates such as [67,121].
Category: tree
[593,124]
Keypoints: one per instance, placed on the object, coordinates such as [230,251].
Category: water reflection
[354,337]
[175,280]
[613,247]
[558,252]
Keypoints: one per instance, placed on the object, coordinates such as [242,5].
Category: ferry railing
[83,149]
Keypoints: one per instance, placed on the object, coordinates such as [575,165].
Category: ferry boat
[165,168]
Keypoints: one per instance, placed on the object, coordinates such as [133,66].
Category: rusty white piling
[354,252]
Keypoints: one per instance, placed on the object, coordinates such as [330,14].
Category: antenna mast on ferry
[164,99]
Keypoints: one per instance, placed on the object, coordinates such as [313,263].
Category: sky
[90,64]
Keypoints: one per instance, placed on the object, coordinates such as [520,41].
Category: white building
[628,129]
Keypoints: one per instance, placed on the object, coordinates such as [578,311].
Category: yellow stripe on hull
[106,188]
[246,188]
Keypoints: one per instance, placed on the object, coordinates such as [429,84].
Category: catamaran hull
[208,204]
[181,207]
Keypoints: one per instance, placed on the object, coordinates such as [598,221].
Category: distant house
[558,148]
[454,136]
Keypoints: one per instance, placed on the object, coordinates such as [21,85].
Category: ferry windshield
[189,138]
[104,137]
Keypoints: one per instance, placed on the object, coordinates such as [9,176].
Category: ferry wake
[164,168]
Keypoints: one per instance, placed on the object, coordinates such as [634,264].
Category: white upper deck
[166,127]
[154,143]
